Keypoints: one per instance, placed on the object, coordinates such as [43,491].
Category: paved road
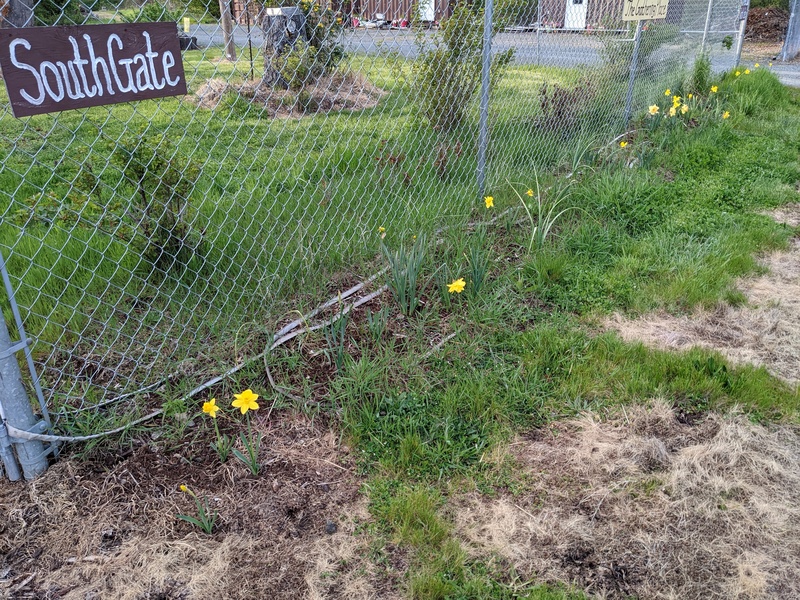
[562,49]
[558,49]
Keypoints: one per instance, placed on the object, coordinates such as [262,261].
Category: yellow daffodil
[755,66]
[653,110]
[747,71]
[690,96]
[488,201]
[738,73]
[246,401]
[381,229]
[622,144]
[676,101]
[714,89]
[726,114]
[672,111]
[184,489]
[770,65]
[684,109]
[457,286]
[667,92]
[529,193]
[211,408]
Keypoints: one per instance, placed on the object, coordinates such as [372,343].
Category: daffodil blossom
[457,286]
[211,408]
[245,401]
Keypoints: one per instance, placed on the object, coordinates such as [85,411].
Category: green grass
[669,222]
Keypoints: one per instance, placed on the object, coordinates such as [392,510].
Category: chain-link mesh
[150,240]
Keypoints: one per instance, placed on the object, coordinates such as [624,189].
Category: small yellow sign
[186,22]
[638,10]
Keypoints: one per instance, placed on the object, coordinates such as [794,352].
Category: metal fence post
[483,135]
[632,77]
[740,39]
[791,45]
[707,26]
[16,410]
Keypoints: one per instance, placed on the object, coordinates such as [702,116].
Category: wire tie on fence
[14,348]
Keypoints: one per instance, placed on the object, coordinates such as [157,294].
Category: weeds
[206,518]
[547,212]
[336,336]
[404,272]
[376,323]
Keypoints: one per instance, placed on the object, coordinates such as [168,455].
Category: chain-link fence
[157,243]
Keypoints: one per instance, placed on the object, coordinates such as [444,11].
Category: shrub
[58,12]
[297,64]
[160,208]
[447,76]
[151,12]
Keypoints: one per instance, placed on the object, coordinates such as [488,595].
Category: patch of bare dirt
[106,527]
[765,332]
[767,24]
[332,93]
[646,505]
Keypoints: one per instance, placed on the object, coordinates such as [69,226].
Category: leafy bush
[58,12]
[164,181]
[151,12]
[306,60]
[447,76]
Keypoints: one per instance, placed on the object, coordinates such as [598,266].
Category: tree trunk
[18,13]
[226,19]
[282,27]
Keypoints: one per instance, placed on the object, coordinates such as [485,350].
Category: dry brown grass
[106,527]
[646,505]
[336,92]
[764,332]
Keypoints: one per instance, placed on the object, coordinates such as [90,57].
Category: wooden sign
[638,10]
[50,69]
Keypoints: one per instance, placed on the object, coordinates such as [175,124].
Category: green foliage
[206,518]
[304,62]
[701,78]
[447,76]
[757,91]
[547,211]
[153,11]
[58,12]
[404,271]
[336,337]
[478,260]
[164,181]
[376,323]
[205,8]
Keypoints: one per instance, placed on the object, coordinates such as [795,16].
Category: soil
[764,332]
[647,505]
[332,93]
[106,526]
[766,24]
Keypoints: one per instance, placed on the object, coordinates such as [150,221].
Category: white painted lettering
[122,88]
[80,63]
[12,47]
[168,61]
[56,96]
[159,85]
[142,73]
[98,61]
